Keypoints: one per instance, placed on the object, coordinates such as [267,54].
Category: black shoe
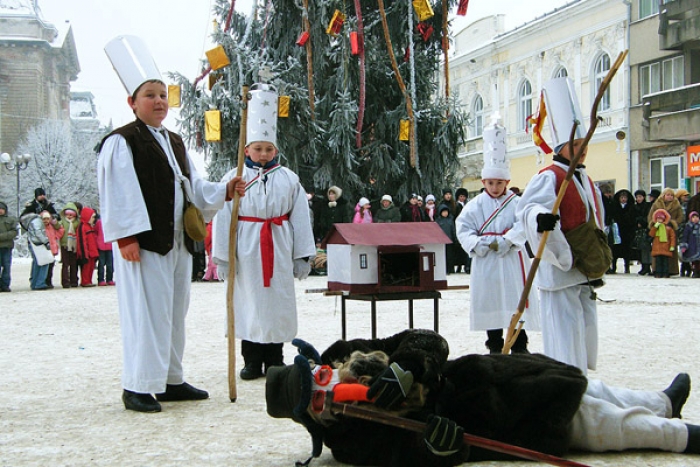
[140,402]
[250,372]
[678,392]
[5,289]
[181,392]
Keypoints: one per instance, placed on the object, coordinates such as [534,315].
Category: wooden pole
[232,243]
[365,413]
[515,322]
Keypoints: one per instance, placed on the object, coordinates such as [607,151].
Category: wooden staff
[364,413]
[232,243]
[515,322]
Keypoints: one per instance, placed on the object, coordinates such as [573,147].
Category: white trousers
[615,419]
[570,326]
[153,296]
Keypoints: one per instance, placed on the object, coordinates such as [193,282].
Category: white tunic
[154,293]
[569,315]
[265,314]
[497,280]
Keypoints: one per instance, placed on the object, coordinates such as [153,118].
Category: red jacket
[87,235]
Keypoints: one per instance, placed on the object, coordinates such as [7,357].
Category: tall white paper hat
[496,163]
[562,111]
[132,61]
[262,114]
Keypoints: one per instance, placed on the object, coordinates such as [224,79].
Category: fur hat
[430,198]
[681,192]
[661,212]
[462,191]
[39,192]
[414,195]
[420,198]
[363,201]
[446,190]
[387,198]
[654,193]
[640,192]
[338,192]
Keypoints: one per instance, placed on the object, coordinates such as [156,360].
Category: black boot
[253,355]
[678,391]
[520,345]
[627,267]
[693,446]
[140,402]
[495,341]
[273,356]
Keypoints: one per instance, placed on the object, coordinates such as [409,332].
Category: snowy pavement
[61,360]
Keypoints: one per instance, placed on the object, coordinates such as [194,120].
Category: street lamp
[17,162]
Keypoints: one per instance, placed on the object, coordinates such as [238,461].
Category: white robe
[265,314]
[496,281]
[153,294]
[569,315]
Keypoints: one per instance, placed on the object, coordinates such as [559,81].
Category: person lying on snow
[531,401]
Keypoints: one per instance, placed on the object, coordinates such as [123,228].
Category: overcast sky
[177,33]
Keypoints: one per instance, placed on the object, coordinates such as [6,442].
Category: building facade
[665,94]
[492,70]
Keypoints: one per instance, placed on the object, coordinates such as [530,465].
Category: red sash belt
[267,246]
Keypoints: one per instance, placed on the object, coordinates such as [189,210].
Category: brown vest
[157,182]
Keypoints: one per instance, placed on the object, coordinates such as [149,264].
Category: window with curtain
[602,66]
[663,75]
[524,104]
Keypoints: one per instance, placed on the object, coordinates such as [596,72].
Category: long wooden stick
[232,243]
[365,413]
[515,322]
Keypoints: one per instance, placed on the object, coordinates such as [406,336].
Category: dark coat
[329,215]
[625,218]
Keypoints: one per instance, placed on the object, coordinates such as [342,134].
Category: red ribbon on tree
[462,9]
[425,31]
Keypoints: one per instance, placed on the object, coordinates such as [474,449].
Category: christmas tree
[362,82]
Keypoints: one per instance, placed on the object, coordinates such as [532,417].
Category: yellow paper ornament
[404,130]
[173,95]
[212,125]
[217,57]
[283,106]
[423,9]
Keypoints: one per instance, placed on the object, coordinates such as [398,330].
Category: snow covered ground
[61,360]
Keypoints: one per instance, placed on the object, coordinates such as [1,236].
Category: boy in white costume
[275,242]
[487,231]
[568,304]
[142,173]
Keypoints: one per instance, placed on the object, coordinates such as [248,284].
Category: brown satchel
[590,249]
[194,224]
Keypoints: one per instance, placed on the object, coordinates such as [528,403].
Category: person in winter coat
[463,262]
[8,232]
[622,214]
[683,197]
[334,211]
[37,239]
[411,210]
[87,246]
[664,242]
[40,203]
[642,241]
[530,401]
[667,201]
[69,246]
[430,211]
[363,212]
[447,224]
[54,231]
[690,243]
[387,212]
[105,261]
[449,201]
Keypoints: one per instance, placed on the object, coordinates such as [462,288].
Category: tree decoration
[404,130]
[213,78]
[283,104]
[425,30]
[303,38]
[217,57]
[462,9]
[362,82]
[423,9]
[354,43]
[173,95]
[212,125]
[336,23]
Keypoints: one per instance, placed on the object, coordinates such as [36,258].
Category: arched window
[524,104]
[561,73]
[602,66]
[477,126]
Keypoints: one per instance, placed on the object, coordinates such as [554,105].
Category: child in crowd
[690,243]
[363,212]
[447,224]
[54,231]
[488,232]
[430,207]
[664,243]
[274,243]
[69,246]
[105,260]
[87,246]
